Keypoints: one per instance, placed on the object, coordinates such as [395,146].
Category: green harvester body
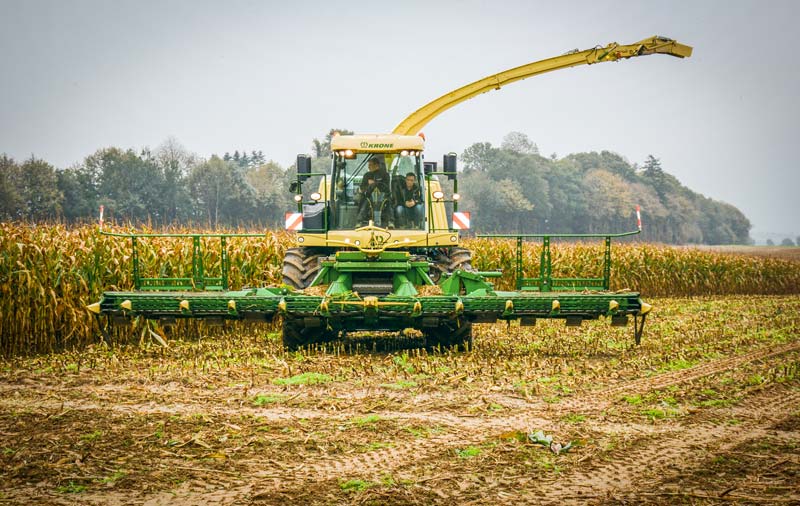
[459,298]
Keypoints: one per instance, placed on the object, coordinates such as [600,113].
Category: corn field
[49,273]
[652,269]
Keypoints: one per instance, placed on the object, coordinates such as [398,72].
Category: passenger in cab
[408,199]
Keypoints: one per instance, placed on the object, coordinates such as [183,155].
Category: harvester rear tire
[300,267]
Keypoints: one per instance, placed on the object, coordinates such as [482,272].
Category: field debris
[428,290]
[315,291]
[546,440]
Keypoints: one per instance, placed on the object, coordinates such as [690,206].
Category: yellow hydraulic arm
[612,52]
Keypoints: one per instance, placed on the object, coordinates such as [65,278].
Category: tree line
[510,188]
[168,185]
[785,242]
[513,188]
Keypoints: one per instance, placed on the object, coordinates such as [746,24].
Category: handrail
[135,234]
[584,236]
[198,279]
[546,282]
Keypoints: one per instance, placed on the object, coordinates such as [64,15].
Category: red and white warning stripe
[294,221]
[638,218]
[461,220]
[102,208]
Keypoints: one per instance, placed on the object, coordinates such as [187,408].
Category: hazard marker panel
[294,221]
[461,220]
[638,218]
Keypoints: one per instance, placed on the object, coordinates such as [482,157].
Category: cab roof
[377,143]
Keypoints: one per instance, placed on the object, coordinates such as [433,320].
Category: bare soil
[705,411]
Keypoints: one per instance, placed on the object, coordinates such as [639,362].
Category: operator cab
[356,196]
[378,179]
[368,176]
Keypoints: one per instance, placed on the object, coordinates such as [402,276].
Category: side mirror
[303,166]
[450,165]
[429,167]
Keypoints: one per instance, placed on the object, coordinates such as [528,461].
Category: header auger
[378,247]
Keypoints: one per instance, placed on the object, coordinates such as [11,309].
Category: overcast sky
[76,76]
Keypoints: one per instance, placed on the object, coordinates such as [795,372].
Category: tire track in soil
[398,456]
[273,415]
[587,403]
[670,454]
[602,399]
[665,452]
[284,478]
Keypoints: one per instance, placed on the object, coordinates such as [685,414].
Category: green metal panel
[607,264]
[137,283]
[197,263]
[342,284]
[267,302]
[545,266]
[356,256]
[224,261]
[372,266]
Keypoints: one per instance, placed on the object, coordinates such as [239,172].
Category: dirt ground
[705,411]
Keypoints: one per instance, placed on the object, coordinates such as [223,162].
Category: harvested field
[705,411]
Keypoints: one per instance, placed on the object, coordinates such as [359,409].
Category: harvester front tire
[296,336]
[300,267]
[462,337]
[455,259]
[291,335]
[460,259]
[449,335]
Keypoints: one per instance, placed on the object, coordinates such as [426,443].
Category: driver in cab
[376,179]
[379,180]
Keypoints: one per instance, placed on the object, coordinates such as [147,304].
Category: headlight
[404,153]
[316,196]
[348,153]
[438,194]
[358,243]
[298,198]
[456,196]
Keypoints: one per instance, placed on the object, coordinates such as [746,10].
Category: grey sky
[81,75]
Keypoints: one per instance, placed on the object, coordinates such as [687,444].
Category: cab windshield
[369,186]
